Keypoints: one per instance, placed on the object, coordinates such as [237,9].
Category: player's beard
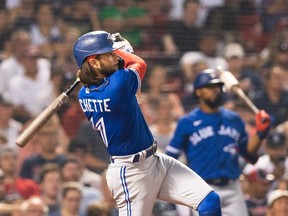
[214,103]
[107,71]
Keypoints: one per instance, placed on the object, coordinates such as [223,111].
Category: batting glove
[116,37]
[263,124]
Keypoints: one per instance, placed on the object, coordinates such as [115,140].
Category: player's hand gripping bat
[263,120]
[44,116]
[232,84]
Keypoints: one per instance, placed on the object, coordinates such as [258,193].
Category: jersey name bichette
[94,105]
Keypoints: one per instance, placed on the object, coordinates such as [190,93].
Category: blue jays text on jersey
[212,143]
[208,131]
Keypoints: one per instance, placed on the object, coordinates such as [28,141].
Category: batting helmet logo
[93,43]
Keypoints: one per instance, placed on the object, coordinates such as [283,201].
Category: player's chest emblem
[232,149]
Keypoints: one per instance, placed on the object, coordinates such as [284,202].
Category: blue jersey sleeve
[128,82]
[179,140]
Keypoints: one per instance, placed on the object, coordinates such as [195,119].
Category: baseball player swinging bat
[232,84]
[44,116]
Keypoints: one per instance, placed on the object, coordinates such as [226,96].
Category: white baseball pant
[136,186]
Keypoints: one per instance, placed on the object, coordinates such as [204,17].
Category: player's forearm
[134,62]
[253,146]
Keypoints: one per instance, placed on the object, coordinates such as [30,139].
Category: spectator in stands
[249,80]
[250,29]
[107,196]
[98,209]
[208,53]
[257,190]
[9,127]
[274,161]
[183,35]
[35,79]
[6,29]
[205,7]
[157,83]
[72,170]
[63,52]
[224,18]
[80,149]
[71,193]
[16,187]
[72,117]
[82,15]
[272,13]
[50,185]
[273,98]
[283,128]
[2,187]
[176,9]
[47,143]
[34,206]
[278,203]
[282,184]
[33,147]
[22,15]
[97,158]
[276,52]
[133,20]
[7,209]
[11,65]
[44,28]
[164,125]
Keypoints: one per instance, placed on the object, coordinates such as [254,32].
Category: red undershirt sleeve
[132,61]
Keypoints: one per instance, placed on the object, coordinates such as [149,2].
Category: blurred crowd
[62,169]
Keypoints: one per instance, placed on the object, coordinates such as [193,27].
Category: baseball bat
[44,116]
[232,84]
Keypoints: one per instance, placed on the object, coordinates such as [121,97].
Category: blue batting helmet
[207,77]
[93,43]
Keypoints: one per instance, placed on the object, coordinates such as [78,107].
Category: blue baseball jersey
[211,142]
[113,110]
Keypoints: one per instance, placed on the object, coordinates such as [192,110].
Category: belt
[220,182]
[136,157]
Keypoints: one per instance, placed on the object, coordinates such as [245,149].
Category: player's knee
[210,205]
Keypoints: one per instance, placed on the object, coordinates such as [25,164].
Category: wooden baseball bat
[239,92]
[232,84]
[44,116]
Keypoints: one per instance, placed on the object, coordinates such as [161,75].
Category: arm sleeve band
[134,62]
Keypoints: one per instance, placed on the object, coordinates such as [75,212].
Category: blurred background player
[218,135]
